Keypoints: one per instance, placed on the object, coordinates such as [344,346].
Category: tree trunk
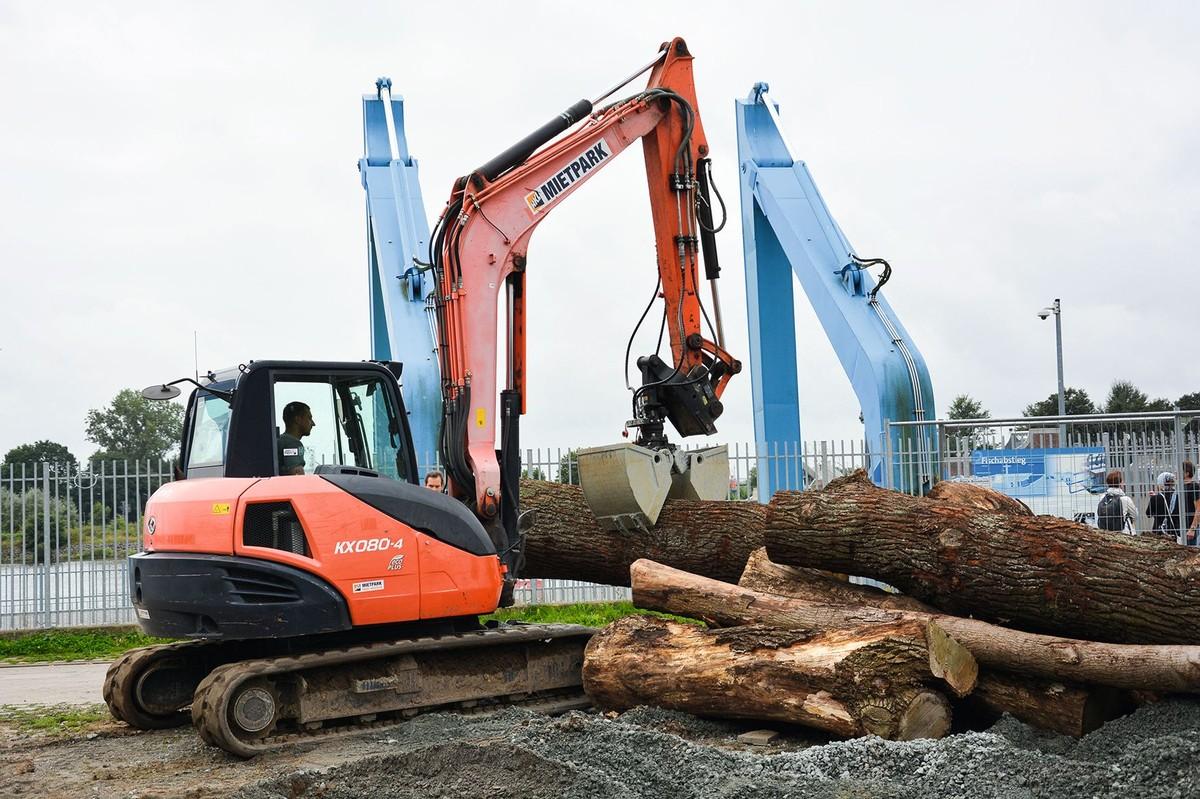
[814,585]
[869,679]
[1038,573]
[709,538]
[1136,667]
[1063,707]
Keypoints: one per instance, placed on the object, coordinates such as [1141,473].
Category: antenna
[196,354]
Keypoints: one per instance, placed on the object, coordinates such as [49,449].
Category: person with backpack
[1163,508]
[1116,512]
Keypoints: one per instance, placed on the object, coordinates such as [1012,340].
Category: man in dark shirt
[1191,503]
[297,423]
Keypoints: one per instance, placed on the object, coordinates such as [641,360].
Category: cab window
[209,435]
[354,422]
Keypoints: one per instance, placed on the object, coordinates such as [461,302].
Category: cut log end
[927,716]
[950,660]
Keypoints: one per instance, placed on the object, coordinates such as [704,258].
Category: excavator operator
[297,423]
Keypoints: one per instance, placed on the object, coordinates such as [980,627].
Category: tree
[1189,402]
[134,427]
[23,524]
[1125,397]
[1076,399]
[37,452]
[965,406]
[568,467]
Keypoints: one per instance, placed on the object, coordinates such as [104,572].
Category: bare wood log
[1064,707]
[977,497]
[1168,668]
[870,679]
[762,574]
[709,538]
[1037,573]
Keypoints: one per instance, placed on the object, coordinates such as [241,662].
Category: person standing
[1116,512]
[1191,504]
[1163,507]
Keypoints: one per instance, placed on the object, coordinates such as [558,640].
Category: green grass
[99,643]
[106,643]
[53,719]
[590,614]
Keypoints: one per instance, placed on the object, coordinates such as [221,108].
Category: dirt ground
[643,753]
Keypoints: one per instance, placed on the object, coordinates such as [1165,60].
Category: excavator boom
[481,249]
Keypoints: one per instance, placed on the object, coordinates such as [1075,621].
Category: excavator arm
[480,250]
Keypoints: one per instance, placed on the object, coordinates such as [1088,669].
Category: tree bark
[1063,707]
[1168,668]
[709,538]
[868,679]
[761,574]
[1037,573]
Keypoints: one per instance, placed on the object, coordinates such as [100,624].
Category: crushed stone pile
[650,753]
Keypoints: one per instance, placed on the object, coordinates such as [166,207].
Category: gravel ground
[653,753]
[643,753]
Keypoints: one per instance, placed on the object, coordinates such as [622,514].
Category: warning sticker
[220,508]
[368,585]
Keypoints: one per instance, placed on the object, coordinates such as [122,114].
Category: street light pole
[1062,394]
[1056,309]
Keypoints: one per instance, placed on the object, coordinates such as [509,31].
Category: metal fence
[793,466]
[64,535]
[1057,465]
[65,532]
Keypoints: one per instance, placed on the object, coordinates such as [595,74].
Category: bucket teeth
[626,485]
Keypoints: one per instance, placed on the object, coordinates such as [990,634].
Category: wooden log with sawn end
[1037,573]
[853,681]
[1147,667]
[1065,707]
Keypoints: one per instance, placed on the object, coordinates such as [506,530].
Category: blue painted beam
[397,239]
[787,225]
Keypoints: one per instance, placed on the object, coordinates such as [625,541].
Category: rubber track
[125,670]
[209,704]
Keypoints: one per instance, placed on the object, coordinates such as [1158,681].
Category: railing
[1058,465]
[64,537]
[65,532]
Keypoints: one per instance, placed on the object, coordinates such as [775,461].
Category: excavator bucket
[704,474]
[626,485]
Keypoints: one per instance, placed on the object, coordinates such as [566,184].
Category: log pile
[1061,625]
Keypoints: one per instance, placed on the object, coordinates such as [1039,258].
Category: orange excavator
[317,588]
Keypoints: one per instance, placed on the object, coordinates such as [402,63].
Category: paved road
[53,684]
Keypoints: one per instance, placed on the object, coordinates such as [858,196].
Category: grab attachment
[626,485]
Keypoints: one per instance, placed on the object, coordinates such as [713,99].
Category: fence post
[46,543]
[887,454]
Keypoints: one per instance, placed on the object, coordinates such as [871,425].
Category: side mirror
[160,392]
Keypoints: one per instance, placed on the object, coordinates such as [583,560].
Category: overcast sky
[169,168]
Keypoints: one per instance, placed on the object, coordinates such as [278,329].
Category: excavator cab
[234,425]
